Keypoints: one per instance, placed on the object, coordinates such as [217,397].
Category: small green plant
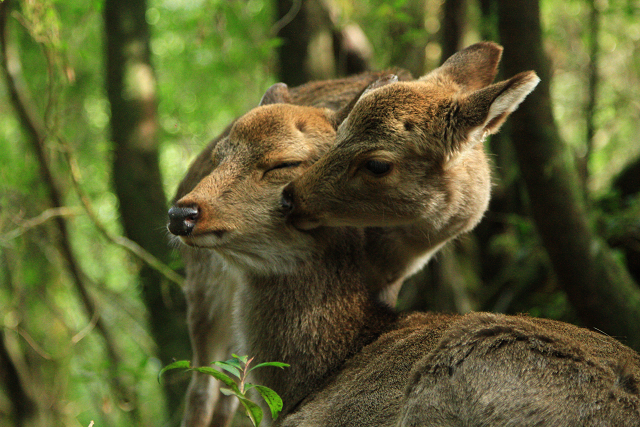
[238,366]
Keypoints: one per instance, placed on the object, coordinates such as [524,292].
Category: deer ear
[472,68]
[276,94]
[483,111]
[342,113]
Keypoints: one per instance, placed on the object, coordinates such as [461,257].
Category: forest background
[103,104]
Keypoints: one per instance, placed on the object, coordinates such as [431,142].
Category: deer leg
[209,292]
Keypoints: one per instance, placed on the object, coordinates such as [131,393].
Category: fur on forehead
[397,107]
[278,121]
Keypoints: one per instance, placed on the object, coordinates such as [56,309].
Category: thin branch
[32,343]
[121,241]
[37,135]
[37,221]
[287,18]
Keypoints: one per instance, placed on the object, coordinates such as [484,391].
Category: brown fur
[309,297]
[211,284]
[478,369]
[429,134]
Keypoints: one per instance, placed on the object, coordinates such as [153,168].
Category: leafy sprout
[238,367]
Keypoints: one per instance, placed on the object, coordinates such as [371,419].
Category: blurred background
[103,104]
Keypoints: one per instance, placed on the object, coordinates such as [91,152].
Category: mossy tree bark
[131,89]
[598,287]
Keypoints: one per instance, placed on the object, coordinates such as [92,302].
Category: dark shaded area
[296,36]
[453,19]
[628,180]
[24,408]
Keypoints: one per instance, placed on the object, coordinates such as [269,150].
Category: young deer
[308,297]
[410,154]
[212,281]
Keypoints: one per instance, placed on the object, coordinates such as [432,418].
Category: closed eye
[279,170]
[284,165]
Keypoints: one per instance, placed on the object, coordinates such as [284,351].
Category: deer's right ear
[276,94]
[340,115]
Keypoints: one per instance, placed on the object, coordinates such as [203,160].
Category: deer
[210,283]
[308,289]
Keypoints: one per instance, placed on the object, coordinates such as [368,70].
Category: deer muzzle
[182,220]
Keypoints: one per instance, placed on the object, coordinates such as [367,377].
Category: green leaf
[227,380]
[231,368]
[180,364]
[253,411]
[276,364]
[228,392]
[272,398]
[242,359]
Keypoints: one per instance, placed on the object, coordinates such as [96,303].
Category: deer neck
[313,318]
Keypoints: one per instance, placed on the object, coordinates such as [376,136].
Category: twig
[85,331]
[287,18]
[32,343]
[45,216]
[121,241]
[37,135]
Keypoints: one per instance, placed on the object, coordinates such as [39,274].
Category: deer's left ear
[485,110]
[340,115]
[276,94]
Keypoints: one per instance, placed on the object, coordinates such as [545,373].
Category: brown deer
[211,283]
[309,296]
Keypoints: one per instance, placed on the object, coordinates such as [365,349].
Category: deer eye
[281,167]
[378,167]
[284,165]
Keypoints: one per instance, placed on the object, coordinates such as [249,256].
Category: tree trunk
[600,289]
[296,36]
[131,89]
[453,18]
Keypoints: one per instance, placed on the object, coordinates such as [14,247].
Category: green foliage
[617,116]
[213,60]
[238,366]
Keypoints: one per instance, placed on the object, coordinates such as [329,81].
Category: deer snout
[182,219]
[286,201]
[293,209]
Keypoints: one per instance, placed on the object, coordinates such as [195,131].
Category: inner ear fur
[471,68]
[276,94]
[486,109]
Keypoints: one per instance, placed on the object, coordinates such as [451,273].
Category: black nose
[182,220]
[286,202]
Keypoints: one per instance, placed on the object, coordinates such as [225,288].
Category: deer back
[481,369]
